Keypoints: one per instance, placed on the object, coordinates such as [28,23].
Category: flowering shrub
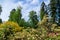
[31,34]
[7,29]
[49,30]
[12,31]
[15,26]
[1,35]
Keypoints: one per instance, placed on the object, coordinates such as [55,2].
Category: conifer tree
[0,13]
[53,10]
[42,10]
[33,17]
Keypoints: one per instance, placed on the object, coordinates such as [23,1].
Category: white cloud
[28,1]
[47,2]
[35,2]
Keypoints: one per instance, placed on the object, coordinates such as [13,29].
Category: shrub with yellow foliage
[8,29]
[14,25]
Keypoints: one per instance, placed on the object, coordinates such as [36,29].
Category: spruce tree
[53,10]
[58,12]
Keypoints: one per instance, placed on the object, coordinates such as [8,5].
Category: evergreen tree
[53,10]
[0,9]
[58,12]
[42,10]
[33,18]
[0,13]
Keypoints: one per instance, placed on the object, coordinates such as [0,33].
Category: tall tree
[53,9]
[0,9]
[42,10]
[12,15]
[23,23]
[18,15]
[15,15]
[33,18]
[0,13]
[58,12]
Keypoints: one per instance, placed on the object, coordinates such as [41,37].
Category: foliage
[7,30]
[0,14]
[0,20]
[42,10]
[14,25]
[31,34]
[12,15]
[52,30]
[53,9]
[1,34]
[45,19]
[15,15]
[0,9]
[11,31]
[18,29]
[33,18]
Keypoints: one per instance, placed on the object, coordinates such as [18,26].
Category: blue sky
[27,6]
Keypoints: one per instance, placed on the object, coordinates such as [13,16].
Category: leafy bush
[14,25]
[7,29]
[12,31]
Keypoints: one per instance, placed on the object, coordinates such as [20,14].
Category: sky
[27,6]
